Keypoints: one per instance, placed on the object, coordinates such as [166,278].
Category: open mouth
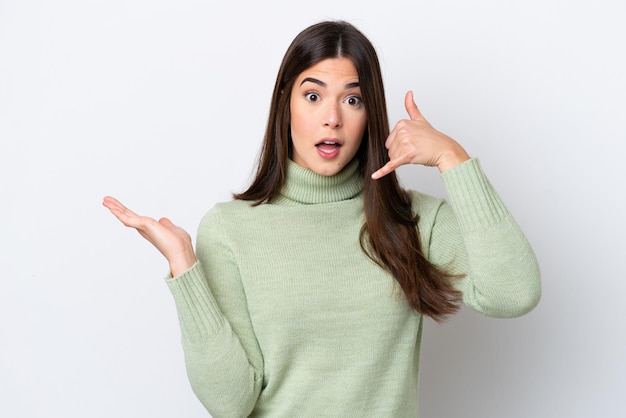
[328,147]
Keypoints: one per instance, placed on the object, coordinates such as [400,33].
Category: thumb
[166,223]
[411,107]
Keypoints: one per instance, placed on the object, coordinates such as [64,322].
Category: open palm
[171,240]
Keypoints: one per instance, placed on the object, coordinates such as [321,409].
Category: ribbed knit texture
[306,187]
[284,316]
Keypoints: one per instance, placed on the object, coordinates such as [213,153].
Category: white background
[163,104]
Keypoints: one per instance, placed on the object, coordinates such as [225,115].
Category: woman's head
[317,43]
[332,40]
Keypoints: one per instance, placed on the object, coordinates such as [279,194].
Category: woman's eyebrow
[313,80]
[322,84]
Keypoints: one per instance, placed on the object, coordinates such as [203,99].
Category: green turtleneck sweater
[285,316]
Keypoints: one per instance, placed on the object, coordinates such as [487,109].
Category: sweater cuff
[198,312]
[474,200]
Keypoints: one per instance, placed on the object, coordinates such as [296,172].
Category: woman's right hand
[172,241]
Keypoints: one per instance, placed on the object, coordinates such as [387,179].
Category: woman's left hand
[415,141]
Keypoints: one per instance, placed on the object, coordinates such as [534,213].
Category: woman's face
[328,117]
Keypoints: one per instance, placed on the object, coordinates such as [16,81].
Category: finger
[391,137]
[166,223]
[122,213]
[110,202]
[113,204]
[411,107]
[386,169]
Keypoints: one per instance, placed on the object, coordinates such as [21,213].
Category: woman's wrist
[181,264]
[452,158]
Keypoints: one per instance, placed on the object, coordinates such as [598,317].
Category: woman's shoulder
[224,211]
[225,218]
[425,203]
[429,209]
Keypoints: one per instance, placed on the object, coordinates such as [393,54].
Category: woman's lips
[328,149]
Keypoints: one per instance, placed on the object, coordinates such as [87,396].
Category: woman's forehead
[330,69]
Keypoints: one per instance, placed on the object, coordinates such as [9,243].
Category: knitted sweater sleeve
[476,235]
[222,356]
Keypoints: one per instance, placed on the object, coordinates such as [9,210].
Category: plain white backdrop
[163,105]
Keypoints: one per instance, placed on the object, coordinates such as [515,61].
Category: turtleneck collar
[307,187]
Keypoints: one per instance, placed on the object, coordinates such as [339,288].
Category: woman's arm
[476,235]
[223,360]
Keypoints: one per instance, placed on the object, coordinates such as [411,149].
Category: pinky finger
[384,170]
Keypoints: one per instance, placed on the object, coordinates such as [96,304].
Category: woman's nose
[332,118]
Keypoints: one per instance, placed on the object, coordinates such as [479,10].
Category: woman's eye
[312,97]
[354,101]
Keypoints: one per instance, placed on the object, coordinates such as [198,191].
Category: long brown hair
[390,235]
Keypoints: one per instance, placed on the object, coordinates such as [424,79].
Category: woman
[305,295]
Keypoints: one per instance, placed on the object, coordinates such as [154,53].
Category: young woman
[306,293]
